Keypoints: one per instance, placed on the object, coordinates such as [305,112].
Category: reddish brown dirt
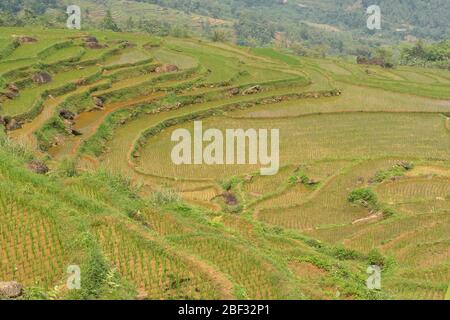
[88,122]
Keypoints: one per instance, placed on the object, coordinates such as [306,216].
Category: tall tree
[108,22]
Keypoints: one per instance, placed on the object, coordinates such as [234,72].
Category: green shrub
[387,211]
[397,170]
[363,196]
[376,258]
[342,253]
[230,183]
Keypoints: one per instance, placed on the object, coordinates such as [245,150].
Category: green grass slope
[365,170]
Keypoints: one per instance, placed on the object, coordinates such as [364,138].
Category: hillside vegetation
[331,27]
[365,176]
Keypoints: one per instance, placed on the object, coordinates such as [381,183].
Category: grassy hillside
[364,178]
[332,27]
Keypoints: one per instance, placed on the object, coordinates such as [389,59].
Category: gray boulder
[11,289]
[26,39]
[13,87]
[252,90]
[42,78]
[166,68]
[13,124]
[66,114]
[98,102]
[38,167]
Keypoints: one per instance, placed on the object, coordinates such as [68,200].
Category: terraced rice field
[156,230]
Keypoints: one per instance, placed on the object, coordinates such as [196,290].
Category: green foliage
[47,133]
[397,170]
[363,196]
[437,54]
[254,30]
[219,36]
[87,202]
[376,258]
[9,49]
[230,183]
[367,198]
[299,177]
[343,253]
[108,22]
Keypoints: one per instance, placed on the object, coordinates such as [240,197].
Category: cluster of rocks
[12,92]
[229,198]
[257,89]
[38,167]
[234,91]
[66,114]
[165,68]
[69,118]
[98,102]
[91,42]
[166,108]
[252,90]
[317,95]
[127,44]
[11,289]
[42,77]
[374,61]
[80,82]
[9,123]
[26,39]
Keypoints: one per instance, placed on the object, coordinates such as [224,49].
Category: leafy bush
[368,199]
[363,196]
[342,253]
[397,170]
[387,212]
[376,258]
[230,183]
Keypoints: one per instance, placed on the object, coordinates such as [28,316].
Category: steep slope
[141,227]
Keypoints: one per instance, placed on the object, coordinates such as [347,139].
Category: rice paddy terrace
[364,177]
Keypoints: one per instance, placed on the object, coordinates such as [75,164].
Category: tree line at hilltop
[300,27]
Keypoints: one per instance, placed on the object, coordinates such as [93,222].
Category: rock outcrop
[230,198]
[42,78]
[234,91]
[38,167]
[26,39]
[252,90]
[11,94]
[94,45]
[12,124]
[66,114]
[374,61]
[98,102]
[166,68]
[12,87]
[11,289]
[91,42]
[90,39]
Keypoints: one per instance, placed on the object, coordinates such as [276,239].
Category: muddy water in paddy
[88,122]
[25,135]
